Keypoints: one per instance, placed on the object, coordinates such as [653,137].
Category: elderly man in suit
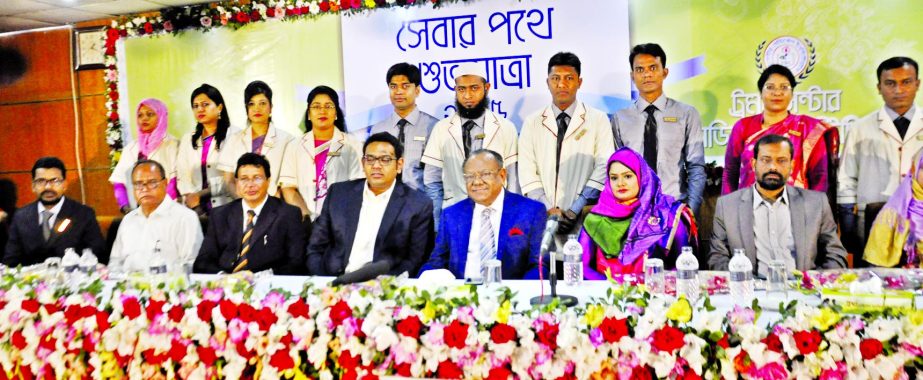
[775,222]
[492,223]
[373,219]
[257,231]
[53,223]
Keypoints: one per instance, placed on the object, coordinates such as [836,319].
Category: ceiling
[18,15]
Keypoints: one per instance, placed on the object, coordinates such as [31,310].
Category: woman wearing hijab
[633,220]
[153,143]
[896,237]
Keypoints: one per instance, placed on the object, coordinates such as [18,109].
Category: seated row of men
[379,218]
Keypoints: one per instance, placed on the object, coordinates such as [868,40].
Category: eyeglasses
[326,107]
[482,176]
[42,182]
[257,180]
[771,88]
[147,185]
[372,160]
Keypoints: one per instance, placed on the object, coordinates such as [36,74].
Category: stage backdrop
[292,57]
[513,40]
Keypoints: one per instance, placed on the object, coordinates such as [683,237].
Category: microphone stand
[566,300]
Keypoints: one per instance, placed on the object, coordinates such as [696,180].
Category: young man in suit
[256,232]
[53,223]
[373,219]
[772,221]
[492,223]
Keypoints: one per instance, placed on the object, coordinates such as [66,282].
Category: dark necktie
[400,137]
[902,123]
[563,120]
[466,136]
[650,138]
[46,226]
[245,243]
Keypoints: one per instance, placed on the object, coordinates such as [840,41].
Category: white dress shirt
[171,228]
[256,210]
[54,212]
[370,216]
[473,263]
[772,231]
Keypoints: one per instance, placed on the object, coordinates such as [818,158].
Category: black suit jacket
[404,238]
[27,246]
[277,241]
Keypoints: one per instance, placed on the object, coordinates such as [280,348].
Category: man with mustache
[472,128]
[773,221]
[53,223]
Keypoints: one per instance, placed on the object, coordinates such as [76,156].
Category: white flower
[692,352]
[708,321]
[883,329]
[384,337]
[314,8]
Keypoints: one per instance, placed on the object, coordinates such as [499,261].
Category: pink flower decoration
[206,21]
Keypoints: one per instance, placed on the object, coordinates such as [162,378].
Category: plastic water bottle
[687,275]
[740,271]
[573,262]
[71,260]
[88,261]
[158,264]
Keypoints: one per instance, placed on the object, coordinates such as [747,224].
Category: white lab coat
[273,148]
[165,155]
[189,164]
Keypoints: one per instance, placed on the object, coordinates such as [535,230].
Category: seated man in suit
[257,231]
[159,226]
[772,221]
[53,223]
[373,219]
[491,223]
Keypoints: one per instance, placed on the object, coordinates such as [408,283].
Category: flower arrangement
[204,17]
[363,331]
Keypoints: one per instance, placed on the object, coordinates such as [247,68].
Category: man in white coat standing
[564,147]
[473,127]
[879,149]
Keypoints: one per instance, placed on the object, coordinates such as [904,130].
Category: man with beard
[53,223]
[775,222]
[472,128]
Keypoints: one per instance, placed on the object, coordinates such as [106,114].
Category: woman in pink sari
[809,135]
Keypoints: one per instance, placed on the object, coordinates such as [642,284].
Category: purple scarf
[905,205]
[651,215]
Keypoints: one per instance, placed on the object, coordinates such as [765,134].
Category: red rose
[287,339]
[690,375]
[449,370]
[247,313]
[640,373]
[356,4]
[87,311]
[265,318]
[548,335]
[502,333]
[292,11]
[772,342]
[402,369]
[131,308]
[88,345]
[242,351]
[359,333]
[348,361]
[154,358]
[255,15]
[48,342]
[455,334]
[410,327]
[176,313]
[110,50]
[870,348]
[72,314]
[228,309]
[614,329]
[112,34]
[344,4]
[515,231]
[113,116]
[114,95]
[204,310]
[18,340]
[177,351]
[380,3]
[51,308]
[299,309]
[281,360]
[723,342]
[668,339]
[742,362]
[206,355]
[123,32]
[148,28]
[113,86]
[102,321]
[305,9]
[807,341]
[270,12]
[324,6]
[30,305]
[154,308]
[339,312]
[499,373]
[242,17]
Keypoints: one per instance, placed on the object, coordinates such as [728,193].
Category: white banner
[513,39]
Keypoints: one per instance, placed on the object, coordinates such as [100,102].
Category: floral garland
[215,330]
[204,17]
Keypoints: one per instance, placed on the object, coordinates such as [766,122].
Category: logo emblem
[797,54]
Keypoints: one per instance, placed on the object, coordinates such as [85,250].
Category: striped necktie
[245,243]
[487,249]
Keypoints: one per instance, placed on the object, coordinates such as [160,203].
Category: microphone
[551,226]
[368,272]
[548,236]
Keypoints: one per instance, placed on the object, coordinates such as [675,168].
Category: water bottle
[88,261]
[740,271]
[70,261]
[687,275]
[158,264]
[573,261]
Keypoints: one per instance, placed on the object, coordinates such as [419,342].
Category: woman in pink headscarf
[152,143]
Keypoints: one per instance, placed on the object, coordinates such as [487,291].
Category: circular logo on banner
[797,54]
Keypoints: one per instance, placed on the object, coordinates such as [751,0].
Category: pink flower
[741,315]
[771,371]
[112,75]
[237,330]
[206,21]
[838,373]
[168,26]
[213,295]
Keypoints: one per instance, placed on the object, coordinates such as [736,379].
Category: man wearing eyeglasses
[255,232]
[53,223]
[158,227]
[492,223]
[373,219]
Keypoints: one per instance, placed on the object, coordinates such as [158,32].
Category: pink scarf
[149,142]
